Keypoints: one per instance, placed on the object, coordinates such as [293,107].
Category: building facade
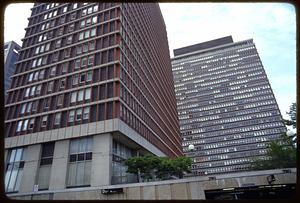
[225,103]
[11,53]
[93,86]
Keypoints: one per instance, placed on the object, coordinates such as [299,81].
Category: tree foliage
[151,167]
[280,154]
[293,116]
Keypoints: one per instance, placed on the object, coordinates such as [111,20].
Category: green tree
[151,167]
[280,154]
[293,116]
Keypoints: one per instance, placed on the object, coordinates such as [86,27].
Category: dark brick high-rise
[93,86]
[226,106]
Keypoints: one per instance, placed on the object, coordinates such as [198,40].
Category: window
[85,48]
[30,77]
[69,39]
[33,63]
[27,92]
[75,6]
[86,113]
[82,77]
[23,108]
[75,80]
[14,170]
[41,75]
[57,119]
[67,52]
[94,19]
[91,60]
[77,63]
[80,36]
[34,106]
[78,114]
[79,170]
[65,9]
[87,93]
[60,99]
[89,76]
[36,75]
[19,126]
[25,124]
[73,97]
[50,86]
[71,116]
[58,43]
[82,23]
[32,92]
[78,49]
[73,16]
[80,95]
[93,32]
[83,61]
[71,27]
[47,47]
[29,107]
[46,103]
[44,121]
[64,67]
[38,90]
[31,124]
[45,165]
[62,83]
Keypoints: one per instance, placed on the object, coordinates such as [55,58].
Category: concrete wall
[182,189]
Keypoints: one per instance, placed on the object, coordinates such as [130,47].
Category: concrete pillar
[32,156]
[5,156]
[59,165]
[102,160]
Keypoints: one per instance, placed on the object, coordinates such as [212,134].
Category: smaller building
[11,54]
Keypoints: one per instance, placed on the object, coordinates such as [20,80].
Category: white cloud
[15,21]
[272,26]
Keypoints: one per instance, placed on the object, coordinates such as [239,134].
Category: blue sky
[272,26]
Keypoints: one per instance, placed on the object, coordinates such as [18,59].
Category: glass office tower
[226,106]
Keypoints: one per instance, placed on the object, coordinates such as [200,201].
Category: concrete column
[5,156]
[32,155]
[102,160]
[59,165]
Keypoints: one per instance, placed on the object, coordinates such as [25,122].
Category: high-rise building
[93,86]
[225,103]
[11,53]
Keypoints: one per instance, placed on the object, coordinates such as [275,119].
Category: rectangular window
[93,32]
[27,92]
[71,115]
[86,113]
[62,83]
[73,97]
[38,90]
[41,75]
[23,108]
[91,60]
[82,23]
[32,92]
[57,119]
[75,79]
[31,124]
[46,103]
[78,50]
[58,43]
[69,39]
[34,106]
[87,93]
[64,67]
[60,99]
[14,170]
[50,86]
[89,76]
[36,75]
[80,36]
[80,95]
[19,126]
[45,165]
[25,124]
[82,78]
[30,77]
[77,63]
[79,170]
[29,106]
[75,6]
[44,121]
[83,62]
[78,114]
